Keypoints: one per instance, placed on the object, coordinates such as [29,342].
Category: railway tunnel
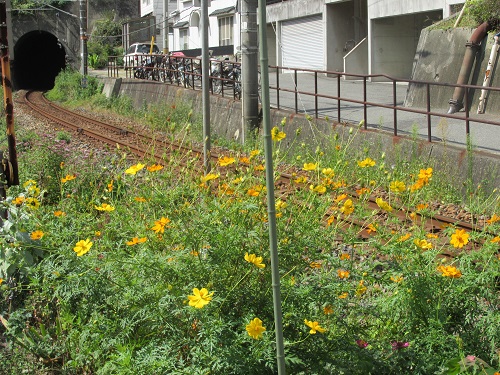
[38,58]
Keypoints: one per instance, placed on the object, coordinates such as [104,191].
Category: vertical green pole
[271,204]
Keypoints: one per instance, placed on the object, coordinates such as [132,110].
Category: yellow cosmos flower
[361,288]
[277,135]
[301,180]
[450,271]
[493,219]
[344,256]
[368,162]
[423,244]
[315,265]
[340,198]
[320,189]
[397,186]
[328,310]
[32,203]
[255,260]
[244,160]
[281,205]
[29,182]
[383,204]
[254,153]
[259,167]
[460,238]
[256,190]
[68,177]
[104,207]
[136,240]
[495,239]
[59,213]
[328,172]
[371,228]
[110,186]
[404,237]
[209,177]
[255,328]
[421,206]
[344,295]
[18,200]
[155,168]
[200,298]
[226,160]
[140,199]
[134,169]
[159,225]
[82,247]
[348,207]
[397,279]
[315,327]
[310,166]
[425,175]
[36,235]
[343,274]
[363,191]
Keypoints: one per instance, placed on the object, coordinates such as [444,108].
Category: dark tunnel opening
[39,57]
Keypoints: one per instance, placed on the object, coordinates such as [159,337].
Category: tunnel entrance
[39,57]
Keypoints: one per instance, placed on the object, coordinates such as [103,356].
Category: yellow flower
[208,177]
[82,247]
[136,240]
[18,200]
[343,274]
[276,134]
[383,204]
[422,206]
[59,213]
[397,279]
[68,177]
[159,225]
[155,168]
[134,168]
[256,190]
[259,167]
[29,182]
[320,189]
[366,163]
[254,153]
[450,271]
[417,185]
[344,295]
[371,228]
[340,198]
[495,239]
[344,256]
[363,191]
[36,235]
[493,219]
[310,166]
[425,175]
[110,186]
[281,205]
[315,327]
[140,199]
[423,244]
[255,260]
[315,265]
[97,233]
[328,310]
[244,160]
[104,207]
[460,238]
[404,237]
[32,203]
[328,172]
[431,235]
[348,207]
[226,160]
[397,186]
[255,328]
[301,180]
[200,298]
[361,288]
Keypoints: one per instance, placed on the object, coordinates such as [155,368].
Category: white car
[137,52]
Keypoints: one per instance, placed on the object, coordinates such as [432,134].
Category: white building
[354,36]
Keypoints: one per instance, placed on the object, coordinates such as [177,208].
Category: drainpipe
[487,75]
[472,46]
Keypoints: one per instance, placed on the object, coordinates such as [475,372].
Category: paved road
[484,137]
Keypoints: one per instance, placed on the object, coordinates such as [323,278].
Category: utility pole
[205,85]
[249,67]
[83,37]
[165,28]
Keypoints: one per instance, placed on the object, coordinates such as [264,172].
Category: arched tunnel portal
[39,57]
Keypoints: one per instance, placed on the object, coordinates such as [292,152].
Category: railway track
[146,145]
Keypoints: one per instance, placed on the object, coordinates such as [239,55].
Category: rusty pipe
[472,46]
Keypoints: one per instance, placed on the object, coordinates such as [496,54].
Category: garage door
[302,43]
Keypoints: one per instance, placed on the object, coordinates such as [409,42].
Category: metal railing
[227,84]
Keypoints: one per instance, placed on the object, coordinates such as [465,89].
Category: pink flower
[362,343]
[399,345]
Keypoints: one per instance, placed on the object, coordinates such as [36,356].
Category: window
[184,38]
[225,31]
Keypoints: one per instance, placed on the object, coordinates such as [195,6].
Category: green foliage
[485,10]
[69,85]
[27,6]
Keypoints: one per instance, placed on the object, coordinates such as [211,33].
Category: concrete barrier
[455,163]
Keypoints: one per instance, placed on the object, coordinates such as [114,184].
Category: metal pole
[271,204]
[249,73]
[13,173]
[205,85]
[165,28]
[83,37]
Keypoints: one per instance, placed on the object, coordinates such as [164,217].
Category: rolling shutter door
[302,43]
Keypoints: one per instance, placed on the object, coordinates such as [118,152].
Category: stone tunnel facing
[38,58]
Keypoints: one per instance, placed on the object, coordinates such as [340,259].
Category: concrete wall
[354,61]
[439,58]
[293,9]
[339,30]
[389,8]
[226,122]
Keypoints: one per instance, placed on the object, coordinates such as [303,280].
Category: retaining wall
[226,122]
